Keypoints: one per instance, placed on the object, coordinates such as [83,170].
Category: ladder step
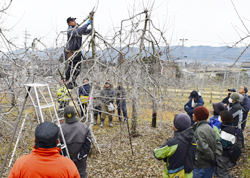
[47,106]
[63,146]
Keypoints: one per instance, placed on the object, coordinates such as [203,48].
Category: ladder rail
[58,122]
[34,104]
[38,104]
[39,107]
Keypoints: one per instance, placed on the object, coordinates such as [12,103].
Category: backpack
[234,153]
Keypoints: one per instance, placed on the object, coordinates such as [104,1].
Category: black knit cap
[194,94]
[218,107]
[70,19]
[46,135]
[231,89]
[182,121]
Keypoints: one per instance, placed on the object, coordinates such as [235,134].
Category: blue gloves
[89,22]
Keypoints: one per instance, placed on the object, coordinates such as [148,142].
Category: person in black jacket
[78,139]
[178,152]
[245,103]
[236,110]
[225,100]
[121,101]
[227,139]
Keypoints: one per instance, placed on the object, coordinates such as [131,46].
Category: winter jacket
[84,90]
[74,37]
[207,143]
[214,121]
[120,93]
[174,153]
[246,105]
[227,137]
[107,96]
[237,111]
[189,109]
[78,138]
[44,162]
[225,100]
[62,93]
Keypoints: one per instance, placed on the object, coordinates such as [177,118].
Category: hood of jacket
[185,135]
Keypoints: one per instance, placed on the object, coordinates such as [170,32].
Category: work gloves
[89,22]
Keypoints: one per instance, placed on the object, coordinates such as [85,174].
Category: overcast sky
[202,22]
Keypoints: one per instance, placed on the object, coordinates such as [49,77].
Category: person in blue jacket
[195,100]
[84,95]
[215,120]
[74,42]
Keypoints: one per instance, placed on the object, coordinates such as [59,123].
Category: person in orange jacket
[45,159]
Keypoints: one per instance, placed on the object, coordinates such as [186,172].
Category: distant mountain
[207,54]
[212,54]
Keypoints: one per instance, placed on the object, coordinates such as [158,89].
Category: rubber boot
[102,122]
[95,120]
[110,122]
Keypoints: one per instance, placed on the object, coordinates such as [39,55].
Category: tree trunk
[135,89]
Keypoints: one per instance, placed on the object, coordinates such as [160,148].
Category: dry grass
[116,159]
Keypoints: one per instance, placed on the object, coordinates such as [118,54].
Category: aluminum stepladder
[43,104]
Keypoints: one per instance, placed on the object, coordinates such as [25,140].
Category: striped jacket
[237,111]
[227,137]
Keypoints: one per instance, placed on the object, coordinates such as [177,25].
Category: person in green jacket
[63,98]
[208,146]
[179,152]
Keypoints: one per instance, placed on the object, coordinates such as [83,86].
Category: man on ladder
[74,42]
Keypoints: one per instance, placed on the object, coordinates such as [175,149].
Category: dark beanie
[194,94]
[246,90]
[218,107]
[182,121]
[46,135]
[201,113]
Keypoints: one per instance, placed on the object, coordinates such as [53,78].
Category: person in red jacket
[45,159]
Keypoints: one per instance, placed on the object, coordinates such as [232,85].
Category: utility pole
[183,40]
[26,37]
